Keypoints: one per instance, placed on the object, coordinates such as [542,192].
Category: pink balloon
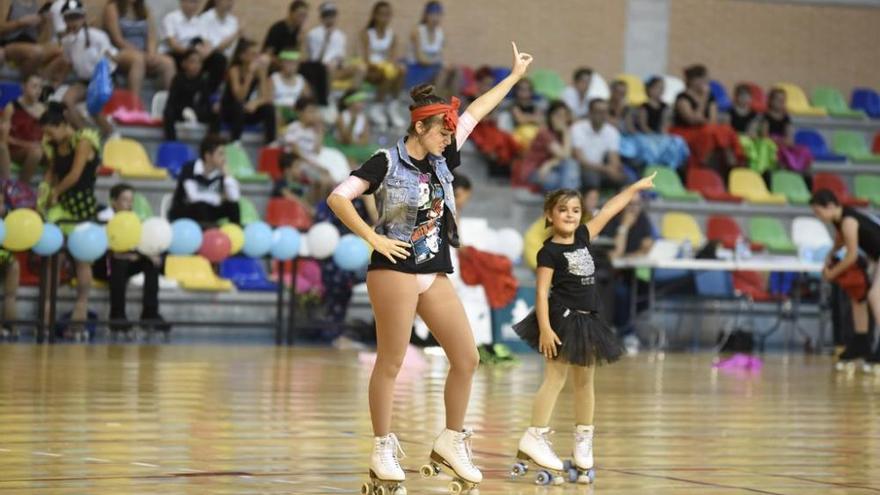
[216,245]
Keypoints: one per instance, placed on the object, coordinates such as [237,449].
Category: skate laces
[391,450]
[546,443]
[581,440]
[463,445]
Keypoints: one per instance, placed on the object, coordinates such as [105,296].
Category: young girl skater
[412,183]
[566,328]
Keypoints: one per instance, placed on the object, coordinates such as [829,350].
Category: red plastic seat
[269,162]
[723,229]
[759,99]
[123,98]
[288,212]
[875,146]
[752,286]
[708,183]
[825,180]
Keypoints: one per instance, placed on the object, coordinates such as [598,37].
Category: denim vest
[397,199]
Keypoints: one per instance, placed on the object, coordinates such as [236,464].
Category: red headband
[450,113]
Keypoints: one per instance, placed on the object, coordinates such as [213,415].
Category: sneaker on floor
[343,342]
[631,344]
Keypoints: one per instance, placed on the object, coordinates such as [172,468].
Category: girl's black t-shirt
[574,272]
[741,122]
[777,127]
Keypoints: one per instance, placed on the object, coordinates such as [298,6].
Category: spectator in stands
[25,33]
[379,48]
[293,183]
[352,135]
[619,111]
[247,98]
[84,47]
[130,26]
[760,151]
[221,26]
[777,125]
[288,86]
[26,135]
[652,116]
[73,157]
[596,146]
[189,90]
[305,136]
[695,118]
[183,29]
[8,262]
[118,268]
[205,192]
[526,115]
[577,95]
[326,43]
[462,188]
[495,144]
[287,34]
[549,160]
[743,118]
[427,43]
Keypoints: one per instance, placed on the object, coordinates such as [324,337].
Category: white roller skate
[386,475]
[582,470]
[452,454]
[535,447]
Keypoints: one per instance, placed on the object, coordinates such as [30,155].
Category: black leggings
[235,115]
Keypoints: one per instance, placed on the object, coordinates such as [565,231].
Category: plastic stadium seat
[195,273]
[129,158]
[868,187]
[669,185]
[770,232]
[825,180]
[240,166]
[797,102]
[123,98]
[866,100]
[791,185]
[157,106]
[283,211]
[500,72]
[722,99]
[816,143]
[598,87]
[269,158]
[9,92]
[468,85]
[172,155]
[680,227]
[724,229]
[708,183]
[548,83]
[713,283]
[29,275]
[810,232]
[141,206]
[748,184]
[832,101]
[672,86]
[852,145]
[247,274]
[752,286]
[759,98]
[635,89]
[875,145]
[247,211]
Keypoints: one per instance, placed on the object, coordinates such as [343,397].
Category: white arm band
[466,124]
[351,188]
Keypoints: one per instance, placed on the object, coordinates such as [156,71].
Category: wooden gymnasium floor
[176,419]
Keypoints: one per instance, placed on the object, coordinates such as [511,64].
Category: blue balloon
[2,231]
[50,241]
[257,240]
[351,253]
[87,242]
[285,243]
[186,237]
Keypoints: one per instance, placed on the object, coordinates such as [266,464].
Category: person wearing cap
[288,86]
[427,43]
[412,184]
[379,49]
[352,134]
[326,44]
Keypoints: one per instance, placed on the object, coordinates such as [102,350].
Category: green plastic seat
[239,164]
[868,187]
[790,185]
[247,211]
[832,101]
[852,144]
[548,83]
[669,185]
[770,232]
[141,207]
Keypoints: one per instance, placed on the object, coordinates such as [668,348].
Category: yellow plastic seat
[797,102]
[680,227]
[130,159]
[533,241]
[635,89]
[195,273]
[747,184]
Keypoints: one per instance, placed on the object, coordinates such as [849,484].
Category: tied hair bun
[423,94]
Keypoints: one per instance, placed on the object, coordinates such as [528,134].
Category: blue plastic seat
[9,91]
[816,143]
[499,73]
[172,155]
[714,284]
[722,99]
[867,100]
[247,274]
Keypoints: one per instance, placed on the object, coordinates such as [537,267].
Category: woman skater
[412,183]
[565,326]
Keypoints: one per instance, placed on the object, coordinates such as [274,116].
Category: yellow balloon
[124,232]
[23,229]
[236,237]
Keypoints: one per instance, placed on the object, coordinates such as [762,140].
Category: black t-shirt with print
[429,248]
[574,273]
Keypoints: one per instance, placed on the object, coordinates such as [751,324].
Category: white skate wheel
[427,471]
[382,491]
[455,488]
[543,478]
[518,469]
[366,488]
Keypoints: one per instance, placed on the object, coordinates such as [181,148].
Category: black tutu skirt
[586,339]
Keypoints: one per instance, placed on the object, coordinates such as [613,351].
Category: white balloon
[156,236]
[323,238]
[304,248]
[511,244]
